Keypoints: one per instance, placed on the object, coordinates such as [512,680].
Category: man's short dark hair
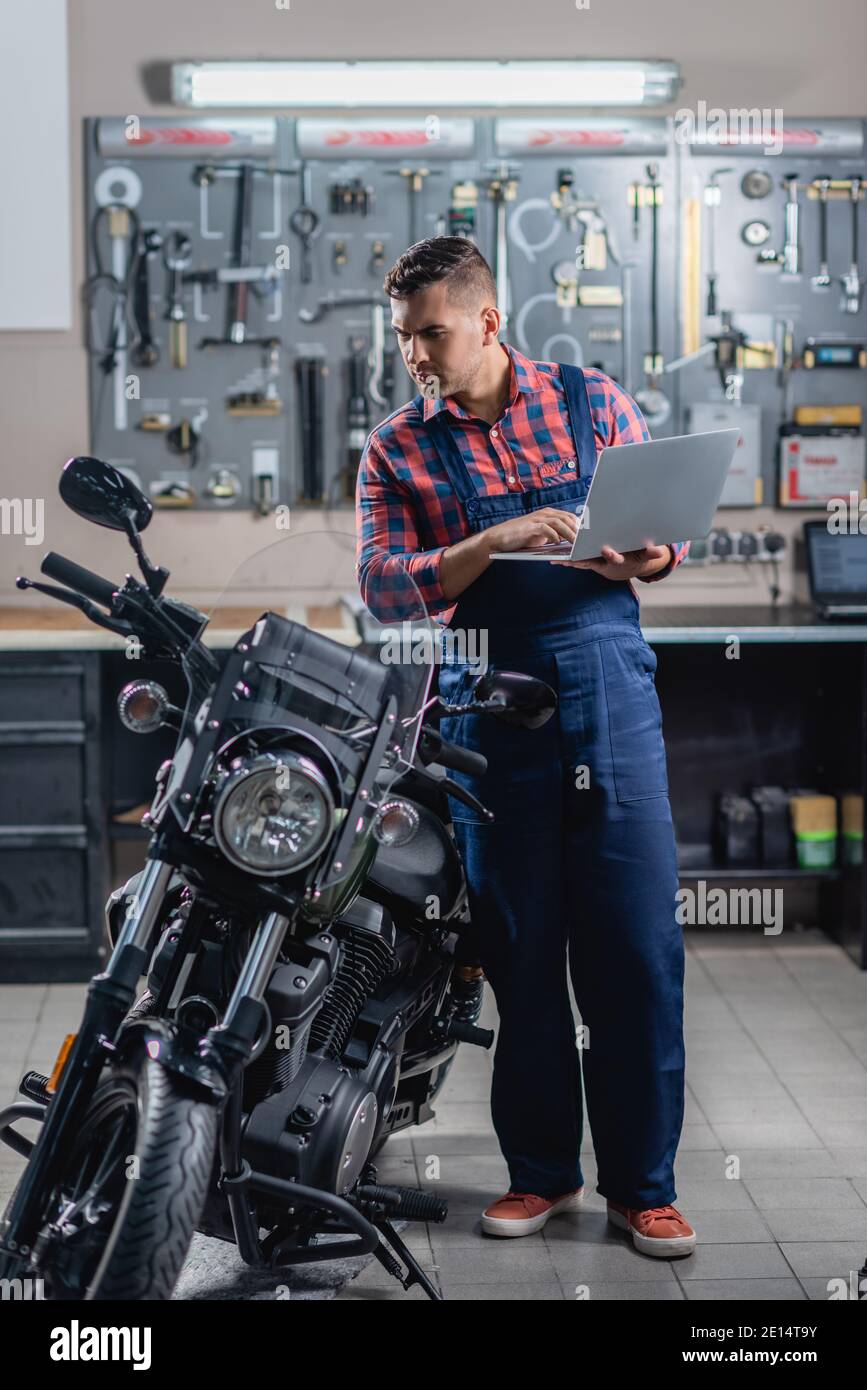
[454,259]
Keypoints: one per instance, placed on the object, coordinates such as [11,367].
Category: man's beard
[467,379]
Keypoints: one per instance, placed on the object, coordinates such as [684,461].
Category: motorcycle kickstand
[416,1274]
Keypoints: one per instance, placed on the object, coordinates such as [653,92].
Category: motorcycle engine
[314,1100]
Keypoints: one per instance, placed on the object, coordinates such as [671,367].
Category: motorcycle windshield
[309,580]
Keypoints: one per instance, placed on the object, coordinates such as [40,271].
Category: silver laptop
[664,490]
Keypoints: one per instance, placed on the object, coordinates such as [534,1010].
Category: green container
[816,849]
[853,848]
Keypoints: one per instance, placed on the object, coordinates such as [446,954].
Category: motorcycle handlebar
[462,760]
[435,749]
[80,580]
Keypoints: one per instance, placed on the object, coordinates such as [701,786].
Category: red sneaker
[522,1213]
[658,1231]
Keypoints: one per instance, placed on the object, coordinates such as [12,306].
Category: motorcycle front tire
[156,1216]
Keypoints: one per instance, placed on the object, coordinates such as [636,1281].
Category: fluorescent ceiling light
[430,86]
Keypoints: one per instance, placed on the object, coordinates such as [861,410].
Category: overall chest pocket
[634,718]
[557,467]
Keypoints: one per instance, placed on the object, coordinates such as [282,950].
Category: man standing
[496,454]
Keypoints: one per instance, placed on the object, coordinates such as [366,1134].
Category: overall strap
[575,386]
[450,456]
[453,461]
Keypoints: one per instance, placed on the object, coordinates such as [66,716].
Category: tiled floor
[776,1047]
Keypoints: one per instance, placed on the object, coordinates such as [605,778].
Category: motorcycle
[295,923]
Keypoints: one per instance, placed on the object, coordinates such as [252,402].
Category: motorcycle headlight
[274,814]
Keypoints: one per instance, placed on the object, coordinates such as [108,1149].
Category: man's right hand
[542,527]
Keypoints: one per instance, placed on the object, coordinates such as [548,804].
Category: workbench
[790,708]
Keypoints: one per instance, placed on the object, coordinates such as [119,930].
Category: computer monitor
[836,564]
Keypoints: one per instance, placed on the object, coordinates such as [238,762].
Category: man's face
[441,341]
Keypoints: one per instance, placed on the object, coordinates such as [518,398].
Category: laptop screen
[837,564]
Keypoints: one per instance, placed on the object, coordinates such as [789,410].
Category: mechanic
[496,453]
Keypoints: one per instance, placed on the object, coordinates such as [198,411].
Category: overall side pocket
[634,718]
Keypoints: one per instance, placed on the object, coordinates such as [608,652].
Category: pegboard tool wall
[173,429]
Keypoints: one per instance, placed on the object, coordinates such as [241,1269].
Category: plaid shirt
[405,504]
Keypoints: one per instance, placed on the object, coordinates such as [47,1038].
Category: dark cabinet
[52,837]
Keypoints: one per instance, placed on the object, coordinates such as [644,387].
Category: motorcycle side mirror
[102,494]
[515,698]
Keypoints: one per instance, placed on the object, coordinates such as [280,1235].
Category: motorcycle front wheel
[119,1223]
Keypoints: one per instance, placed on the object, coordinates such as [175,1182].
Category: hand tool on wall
[184,439]
[563,199]
[712,195]
[565,276]
[381,363]
[574,208]
[627,324]
[756,184]
[789,259]
[121,224]
[171,492]
[387,378]
[350,196]
[756,233]
[177,253]
[635,196]
[822,281]
[238,296]
[380,381]
[597,242]
[357,417]
[852,282]
[732,351]
[463,209]
[377,257]
[517,237]
[326,302]
[691,275]
[223,486]
[241,277]
[653,402]
[145,352]
[232,275]
[155,421]
[519,331]
[265,399]
[310,374]
[785,340]
[415,178]
[792,247]
[729,346]
[205,176]
[306,224]
[502,186]
[264,464]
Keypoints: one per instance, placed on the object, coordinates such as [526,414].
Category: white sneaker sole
[654,1245]
[517,1226]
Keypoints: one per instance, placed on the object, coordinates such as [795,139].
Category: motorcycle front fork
[109,997]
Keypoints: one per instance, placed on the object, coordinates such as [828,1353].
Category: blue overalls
[581,854]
